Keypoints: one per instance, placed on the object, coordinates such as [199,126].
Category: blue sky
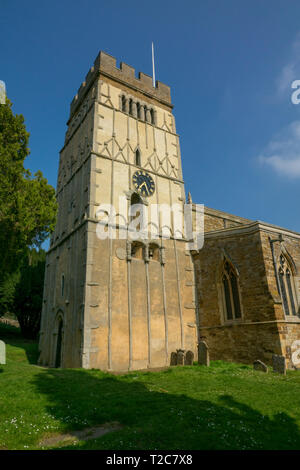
[230,65]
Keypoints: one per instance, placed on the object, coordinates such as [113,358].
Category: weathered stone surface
[129,315]
[173,359]
[133,304]
[263,329]
[121,253]
[2,352]
[279,364]
[203,354]
[180,357]
[259,365]
[189,358]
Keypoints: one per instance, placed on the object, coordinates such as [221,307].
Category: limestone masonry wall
[263,329]
[122,312]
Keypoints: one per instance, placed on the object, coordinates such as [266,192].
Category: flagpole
[153,67]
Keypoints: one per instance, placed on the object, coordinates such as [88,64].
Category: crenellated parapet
[106,65]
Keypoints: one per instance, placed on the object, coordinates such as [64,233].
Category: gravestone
[2,353]
[203,354]
[180,357]
[259,365]
[173,359]
[189,358]
[279,364]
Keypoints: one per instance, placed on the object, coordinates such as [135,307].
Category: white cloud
[291,71]
[282,153]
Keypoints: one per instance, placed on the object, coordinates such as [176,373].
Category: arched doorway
[58,355]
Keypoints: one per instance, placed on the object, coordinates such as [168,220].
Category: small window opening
[137,250]
[123,104]
[152,115]
[153,252]
[62,284]
[138,157]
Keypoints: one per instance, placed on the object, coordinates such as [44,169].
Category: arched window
[153,252]
[135,199]
[287,287]
[137,250]
[130,106]
[138,110]
[231,294]
[123,104]
[152,116]
[135,212]
[137,157]
[62,284]
[147,114]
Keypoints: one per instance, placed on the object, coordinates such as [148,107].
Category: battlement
[106,65]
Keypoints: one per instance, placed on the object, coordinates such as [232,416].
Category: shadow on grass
[12,335]
[158,420]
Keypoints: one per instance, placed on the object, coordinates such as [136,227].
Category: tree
[7,292]
[28,293]
[27,204]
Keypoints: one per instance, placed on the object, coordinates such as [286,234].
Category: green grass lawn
[225,406]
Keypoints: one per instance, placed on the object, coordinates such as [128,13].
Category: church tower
[115,302]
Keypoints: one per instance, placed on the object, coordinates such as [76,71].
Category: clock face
[143,183]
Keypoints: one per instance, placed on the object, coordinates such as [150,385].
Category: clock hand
[144,184]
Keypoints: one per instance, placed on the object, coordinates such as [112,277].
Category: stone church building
[118,303]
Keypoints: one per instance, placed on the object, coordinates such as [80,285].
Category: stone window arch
[154,252]
[130,106]
[152,114]
[135,206]
[135,199]
[147,114]
[137,157]
[141,112]
[137,250]
[123,103]
[231,297]
[287,287]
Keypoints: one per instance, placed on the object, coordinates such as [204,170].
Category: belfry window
[137,250]
[135,206]
[130,106]
[135,199]
[287,287]
[123,104]
[137,157]
[153,252]
[152,116]
[231,294]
